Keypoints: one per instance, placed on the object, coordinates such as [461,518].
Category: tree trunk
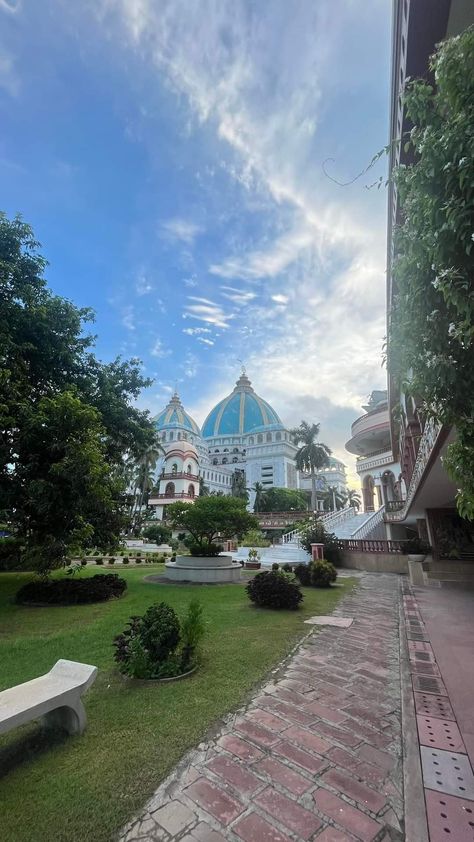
[314,496]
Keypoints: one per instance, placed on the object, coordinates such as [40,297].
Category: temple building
[241,434]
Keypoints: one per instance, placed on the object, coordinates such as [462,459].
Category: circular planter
[416,557]
[153,681]
[203,569]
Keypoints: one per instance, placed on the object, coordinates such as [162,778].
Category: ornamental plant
[272,589]
[431,333]
[209,519]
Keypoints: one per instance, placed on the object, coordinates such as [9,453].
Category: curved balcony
[176,495]
[370,433]
[180,475]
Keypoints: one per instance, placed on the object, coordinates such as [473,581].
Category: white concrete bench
[55,697]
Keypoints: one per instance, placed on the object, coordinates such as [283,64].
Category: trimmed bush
[98,588]
[111,560]
[125,559]
[99,561]
[83,562]
[138,560]
[273,589]
[287,567]
[302,573]
[322,573]
[275,566]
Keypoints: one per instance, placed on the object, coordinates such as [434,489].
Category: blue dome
[239,413]
[174,415]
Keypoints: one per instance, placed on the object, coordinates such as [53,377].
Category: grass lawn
[85,788]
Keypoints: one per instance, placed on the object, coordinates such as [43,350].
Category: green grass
[85,788]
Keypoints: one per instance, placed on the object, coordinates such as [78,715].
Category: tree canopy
[67,420]
[283,500]
[211,517]
[431,336]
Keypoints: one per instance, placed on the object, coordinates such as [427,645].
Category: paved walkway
[316,755]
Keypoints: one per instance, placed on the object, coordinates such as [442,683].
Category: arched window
[189,469]
[191,490]
[226,449]
[174,468]
[269,436]
[235,459]
[217,450]
[179,436]
[163,437]
[278,437]
[235,450]
[215,461]
[251,440]
[171,436]
[185,436]
[259,438]
[169,490]
[224,461]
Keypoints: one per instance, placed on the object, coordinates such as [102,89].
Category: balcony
[180,475]
[370,433]
[177,495]
[427,445]
[375,460]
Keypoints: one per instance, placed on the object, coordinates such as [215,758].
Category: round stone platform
[219,569]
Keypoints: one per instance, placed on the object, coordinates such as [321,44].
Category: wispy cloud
[143,285]
[207,311]
[209,342]
[180,230]
[280,299]
[196,331]
[159,350]
[9,77]
[128,318]
[238,296]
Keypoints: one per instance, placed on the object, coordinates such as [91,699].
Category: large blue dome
[239,413]
[174,415]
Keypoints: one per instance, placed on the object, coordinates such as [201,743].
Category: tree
[312,455]
[203,488]
[45,354]
[352,498]
[431,333]
[334,499]
[68,494]
[284,500]
[313,532]
[210,518]
[143,477]
[158,533]
[259,496]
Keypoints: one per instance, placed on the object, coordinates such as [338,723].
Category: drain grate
[439,733]
[447,772]
[438,706]
[417,635]
[449,818]
[426,657]
[424,669]
[429,684]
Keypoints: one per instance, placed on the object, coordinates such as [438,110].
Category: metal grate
[429,684]
[420,646]
[449,818]
[424,669]
[445,771]
[417,635]
[427,657]
[440,733]
[428,705]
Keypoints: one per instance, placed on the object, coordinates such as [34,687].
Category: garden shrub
[315,533]
[287,567]
[125,559]
[275,566]
[99,561]
[111,560]
[156,646]
[98,588]
[138,560]
[83,562]
[322,573]
[10,549]
[302,573]
[272,589]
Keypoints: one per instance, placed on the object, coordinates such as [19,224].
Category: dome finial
[243,369]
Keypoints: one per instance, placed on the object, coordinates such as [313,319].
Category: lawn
[74,789]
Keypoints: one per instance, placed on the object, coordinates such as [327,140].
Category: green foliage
[156,646]
[312,454]
[239,488]
[98,588]
[283,500]
[204,549]
[211,517]
[322,573]
[313,532]
[287,568]
[254,538]
[274,590]
[415,546]
[275,566]
[49,374]
[10,553]
[432,319]
[157,533]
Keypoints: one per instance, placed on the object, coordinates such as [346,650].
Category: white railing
[425,449]
[369,525]
[372,461]
[328,519]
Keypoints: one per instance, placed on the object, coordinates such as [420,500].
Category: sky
[178,163]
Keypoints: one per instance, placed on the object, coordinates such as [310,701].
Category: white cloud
[195,331]
[143,285]
[280,299]
[208,311]
[181,230]
[238,296]
[190,282]
[128,318]
[9,78]
[159,350]
[204,341]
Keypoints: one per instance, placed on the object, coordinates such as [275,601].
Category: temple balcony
[370,432]
[375,460]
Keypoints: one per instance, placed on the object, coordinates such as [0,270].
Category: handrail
[328,519]
[369,525]
[427,442]
[371,545]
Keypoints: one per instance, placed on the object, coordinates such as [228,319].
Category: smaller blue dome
[174,415]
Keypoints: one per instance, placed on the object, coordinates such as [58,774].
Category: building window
[179,436]
[226,449]
[259,438]
[251,440]
[224,461]
[171,436]
[169,490]
[278,437]
[235,450]
[217,450]
[269,436]
[191,490]
[235,459]
[215,461]
[163,437]
[174,468]
[189,468]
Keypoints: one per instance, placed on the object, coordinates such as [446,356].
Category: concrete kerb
[416,828]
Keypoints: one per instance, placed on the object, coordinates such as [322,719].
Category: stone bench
[54,697]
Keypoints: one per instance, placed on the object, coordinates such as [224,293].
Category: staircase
[348,527]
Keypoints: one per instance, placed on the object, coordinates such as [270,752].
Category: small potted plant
[253,560]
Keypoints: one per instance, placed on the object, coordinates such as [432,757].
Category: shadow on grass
[27,746]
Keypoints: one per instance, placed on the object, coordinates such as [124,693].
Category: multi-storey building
[427,505]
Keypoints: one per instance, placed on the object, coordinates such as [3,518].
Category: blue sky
[169,156]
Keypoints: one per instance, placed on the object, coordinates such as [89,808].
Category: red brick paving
[315,756]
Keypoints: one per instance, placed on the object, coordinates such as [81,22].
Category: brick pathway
[316,755]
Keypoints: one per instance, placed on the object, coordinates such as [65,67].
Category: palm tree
[259,496]
[144,474]
[203,488]
[352,498]
[312,455]
[335,498]
[239,488]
